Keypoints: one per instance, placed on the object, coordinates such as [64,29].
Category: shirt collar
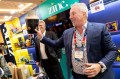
[44,33]
[85,25]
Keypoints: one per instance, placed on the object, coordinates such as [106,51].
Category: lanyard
[83,41]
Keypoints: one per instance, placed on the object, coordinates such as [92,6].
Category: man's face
[41,27]
[76,16]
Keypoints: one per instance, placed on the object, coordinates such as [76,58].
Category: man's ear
[84,14]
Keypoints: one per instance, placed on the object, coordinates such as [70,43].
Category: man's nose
[40,26]
[70,17]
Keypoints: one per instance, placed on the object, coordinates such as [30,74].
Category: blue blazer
[99,47]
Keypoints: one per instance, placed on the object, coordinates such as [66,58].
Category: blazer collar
[89,33]
[89,30]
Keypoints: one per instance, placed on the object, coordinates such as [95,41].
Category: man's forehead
[41,24]
[74,8]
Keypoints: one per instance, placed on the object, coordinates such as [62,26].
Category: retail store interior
[18,46]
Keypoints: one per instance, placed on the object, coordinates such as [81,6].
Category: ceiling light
[7,10]
[12,12]
[6,18]
[28,5]
[21,5]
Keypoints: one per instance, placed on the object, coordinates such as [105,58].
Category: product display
[23,72]
[28,43]
[23,60]
[29,40]
[21,43]
[13,70]
[18,37]
[15,30]
[31,61]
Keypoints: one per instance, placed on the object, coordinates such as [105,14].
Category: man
[47,56]
[88,46]
[4,69]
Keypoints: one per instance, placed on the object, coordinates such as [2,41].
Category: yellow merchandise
[19,54]
[28,43]
[17,51]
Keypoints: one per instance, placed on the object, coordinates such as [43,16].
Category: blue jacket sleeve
[108,48]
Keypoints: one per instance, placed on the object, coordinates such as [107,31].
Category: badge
[79,55]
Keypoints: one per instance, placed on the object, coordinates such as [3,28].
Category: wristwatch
[103,67]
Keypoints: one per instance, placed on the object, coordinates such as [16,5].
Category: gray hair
[82,7]
[41,21]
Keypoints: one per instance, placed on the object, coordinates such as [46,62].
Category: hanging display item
[32,22]
[15,30]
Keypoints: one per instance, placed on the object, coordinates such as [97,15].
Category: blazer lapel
[71,37]
[38,46]
[89,33]
[89,37]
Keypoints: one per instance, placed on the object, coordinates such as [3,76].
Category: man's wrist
[41,37]
[103,67]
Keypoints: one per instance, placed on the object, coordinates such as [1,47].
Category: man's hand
[39,33]
[92,69]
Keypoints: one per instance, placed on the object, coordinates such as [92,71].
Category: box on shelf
[23,72]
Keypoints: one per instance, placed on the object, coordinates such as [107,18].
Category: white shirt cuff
[103,66]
